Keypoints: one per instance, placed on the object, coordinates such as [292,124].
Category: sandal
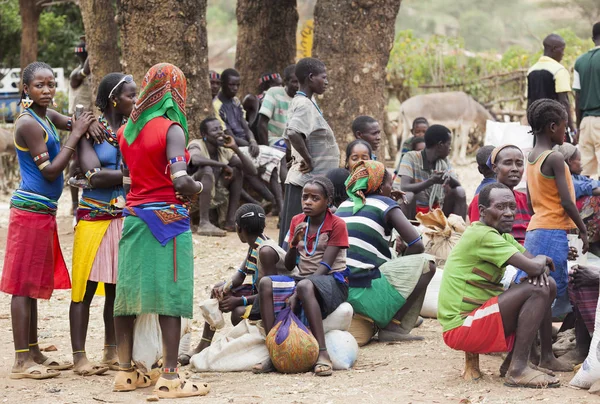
[113,364]
[179,388]
[90,369]
[54,365]
[35,372]
[323,369]
[129,380]
[534,380]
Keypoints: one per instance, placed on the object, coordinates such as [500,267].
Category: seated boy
[367,128]
[477,316]
[482,157]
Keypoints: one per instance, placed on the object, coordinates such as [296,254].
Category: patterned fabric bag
[292,347]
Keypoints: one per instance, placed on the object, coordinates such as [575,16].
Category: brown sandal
[179,388]
[129,380]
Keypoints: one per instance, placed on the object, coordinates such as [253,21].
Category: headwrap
[492,160]
[567,150]
[269,77]
[164,90]
[213,75]
[366,178]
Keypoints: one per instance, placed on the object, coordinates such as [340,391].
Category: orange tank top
[545,199]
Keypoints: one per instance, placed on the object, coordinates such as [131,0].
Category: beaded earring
[26,102]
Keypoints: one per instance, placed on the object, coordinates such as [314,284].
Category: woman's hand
[228,303]
[96,132]
[81,125]
[586,245]
[292,302]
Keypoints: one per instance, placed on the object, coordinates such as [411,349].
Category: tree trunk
[266,41]
[101,38]
[30,12]
[354,38]
[154,31]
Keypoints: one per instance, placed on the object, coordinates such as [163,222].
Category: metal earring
[54,104]
[26,102]
[114,104]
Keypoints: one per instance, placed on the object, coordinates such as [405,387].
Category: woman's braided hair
[543,112]
[29,73]
[251,217]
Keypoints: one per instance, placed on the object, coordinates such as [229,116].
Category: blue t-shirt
[584,186]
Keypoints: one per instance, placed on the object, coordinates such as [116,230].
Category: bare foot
[556,364]
[263,367]
[84,367]
[210,230]
[110,357]
[531,378]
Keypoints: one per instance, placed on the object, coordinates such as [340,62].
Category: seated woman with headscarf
[388,291]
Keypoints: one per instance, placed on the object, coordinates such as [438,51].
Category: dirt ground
[416,372]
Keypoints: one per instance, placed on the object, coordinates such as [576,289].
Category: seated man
[215,83]
[273,111]
[477,316]
[482,157]
[218,165]
[267,160]
[367,128]
[427,177]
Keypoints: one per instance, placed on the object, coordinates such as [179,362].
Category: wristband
[245,301]
[69,147]
[415,241]
[178,174]
[327,265]
[201,188]
[126,180]
[82,73]
[173,161]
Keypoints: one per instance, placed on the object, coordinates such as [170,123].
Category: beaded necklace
[311,253]
[45,123]
[311,100]
[112,138]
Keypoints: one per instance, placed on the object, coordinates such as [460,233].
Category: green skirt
[388,293]
[146,280]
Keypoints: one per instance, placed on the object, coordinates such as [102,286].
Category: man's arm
[407,183]
[563,98]
[298,142]
[77,77]
[263,130]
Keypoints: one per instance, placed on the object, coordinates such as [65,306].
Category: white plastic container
[212,314]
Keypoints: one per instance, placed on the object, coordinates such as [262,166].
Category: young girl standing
[318,242]
[552,196]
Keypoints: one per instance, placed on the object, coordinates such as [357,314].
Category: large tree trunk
[30,11]
[101,37]
[354,38]
[154,31]
[266,40]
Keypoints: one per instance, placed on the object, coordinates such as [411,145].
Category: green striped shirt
[275,106]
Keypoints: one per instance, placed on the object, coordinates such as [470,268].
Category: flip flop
[129,381]
[179,388]
[35,372]
[533,380]
[328,371]
[503,371]
[91,370]
[54,365]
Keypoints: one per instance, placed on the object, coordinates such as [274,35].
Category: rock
[152,398]
[595,389]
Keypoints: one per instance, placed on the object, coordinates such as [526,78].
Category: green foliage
[58,32]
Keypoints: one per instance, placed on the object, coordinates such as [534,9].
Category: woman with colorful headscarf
[508,163]
[156,259]
[99,224]
[389,291]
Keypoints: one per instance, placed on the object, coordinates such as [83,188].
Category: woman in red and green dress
[156,259]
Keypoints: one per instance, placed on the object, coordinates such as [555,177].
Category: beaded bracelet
[173,161]
[70,124]
[91,173]
[245,301]
[326,264]
[40,156]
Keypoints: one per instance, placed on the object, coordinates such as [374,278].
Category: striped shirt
[275,106]
[368,235]
[416,166]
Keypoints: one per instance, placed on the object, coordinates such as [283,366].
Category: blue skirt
[554,244]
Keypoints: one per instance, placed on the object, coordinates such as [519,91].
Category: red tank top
[146,159]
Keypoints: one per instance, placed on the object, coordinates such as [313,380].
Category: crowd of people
[146,185]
